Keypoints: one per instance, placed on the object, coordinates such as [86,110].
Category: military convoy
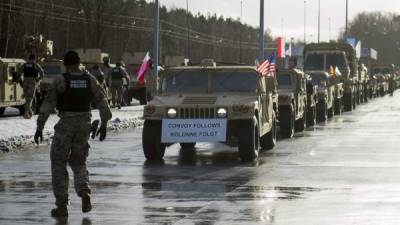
[385,75]
[227,104]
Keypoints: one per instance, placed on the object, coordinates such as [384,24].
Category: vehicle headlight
[222,113]
[150,109]
[171,113]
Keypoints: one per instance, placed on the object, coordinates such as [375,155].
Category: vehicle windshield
[196,81]
[336,60]
[381,70]
[314,61]
[185,82]
[52,70]
[319,79]
[284,79]
[234,81]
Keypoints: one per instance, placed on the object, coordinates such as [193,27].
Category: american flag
[268,66]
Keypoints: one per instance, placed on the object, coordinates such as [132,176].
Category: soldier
[99,75]
[106,67]
[71,93]
[33,73]
[116,78]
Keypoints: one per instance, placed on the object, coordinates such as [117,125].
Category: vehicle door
[264,100]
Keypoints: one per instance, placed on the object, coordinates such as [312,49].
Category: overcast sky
[287,15]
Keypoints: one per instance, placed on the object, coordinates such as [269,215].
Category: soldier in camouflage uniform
[116,78]
[72,93]
[32,74]
[99,75]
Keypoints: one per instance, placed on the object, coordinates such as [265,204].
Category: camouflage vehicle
[323,56]
[312,100]
[364,83]
[11,92]
[227,104]
[292,90]
[329,98]
[386,78]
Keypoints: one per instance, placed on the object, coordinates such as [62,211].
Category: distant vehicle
[386,78]
[208,103]
[312,100]
[292,90]
[11,92]
[52,68]
[322,56]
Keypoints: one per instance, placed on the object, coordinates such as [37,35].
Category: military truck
[209,103]
[312,100]
[11,92]
[326,95]
[364,83]
[52,68]
[292,91]
[386,78]
[323,56]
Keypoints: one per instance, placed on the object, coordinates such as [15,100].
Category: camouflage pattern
[70,144]
[116,92]
[29,87]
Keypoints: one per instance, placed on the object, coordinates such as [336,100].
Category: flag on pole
[267,68]
[143,69]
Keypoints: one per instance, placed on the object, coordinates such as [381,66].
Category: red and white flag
[143,69]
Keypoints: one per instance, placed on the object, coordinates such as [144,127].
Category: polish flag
[143,69]
[280,47]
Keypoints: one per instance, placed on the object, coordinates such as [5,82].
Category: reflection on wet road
[345,171]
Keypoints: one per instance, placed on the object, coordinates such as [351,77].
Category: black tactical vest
[30,70]
[116,74]
[77,96]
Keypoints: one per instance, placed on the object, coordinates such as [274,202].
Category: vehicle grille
[199,100]
[197,113]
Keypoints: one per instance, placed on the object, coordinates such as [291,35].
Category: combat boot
[119,106]
[86,204]
[27,114]
[60,211]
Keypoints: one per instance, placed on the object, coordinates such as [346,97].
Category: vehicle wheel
[153,149]
[248,140]
[268,141]
[330,112]
[311,117]
[322,111]
[300,124]
[287,120]
[143,97]
[338,107]
[382,92]
[2,110]
[348,102]
[188,145]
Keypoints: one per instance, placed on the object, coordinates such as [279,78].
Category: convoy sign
[193,130]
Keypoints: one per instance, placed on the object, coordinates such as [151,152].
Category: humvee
[385,75]
[11,92]
[225,104]
[327,95]
[51,68]
[292,90]
[312,100]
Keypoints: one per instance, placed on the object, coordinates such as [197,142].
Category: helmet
[106,59]
[71,58]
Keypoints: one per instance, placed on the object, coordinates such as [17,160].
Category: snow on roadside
[15,131]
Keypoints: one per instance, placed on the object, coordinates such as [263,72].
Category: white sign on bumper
[193,130]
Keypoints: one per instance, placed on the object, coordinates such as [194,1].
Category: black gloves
[102,132]
[38,136]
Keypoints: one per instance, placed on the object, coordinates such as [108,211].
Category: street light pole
[347,18]
[156,37]
[305,22]
[188,31]
[240,31]
[261,34]
[319,21]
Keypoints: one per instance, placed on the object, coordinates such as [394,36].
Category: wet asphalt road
[345,171]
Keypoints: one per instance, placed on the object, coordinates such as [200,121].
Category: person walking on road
[32,75]
[116,77]
[72,93]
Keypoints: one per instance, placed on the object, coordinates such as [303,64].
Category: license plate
[193,130]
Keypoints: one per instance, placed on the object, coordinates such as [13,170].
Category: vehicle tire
[330,112]
[300,124]
[338,106]
[188,145]
[143,97]
[312,116]
[248,140]
[268,141]
[2,110]
[153,149]
[287,120]
[382,92]
[322,111]
[348,102]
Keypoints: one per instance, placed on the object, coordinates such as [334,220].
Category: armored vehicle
[312,100]
[323,56]
[292,90]
[386,78]
[51,68]
[227,104]
[364,83]
[328,96]
[11,92]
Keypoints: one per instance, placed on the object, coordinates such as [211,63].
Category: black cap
[71,58]
[32,57]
